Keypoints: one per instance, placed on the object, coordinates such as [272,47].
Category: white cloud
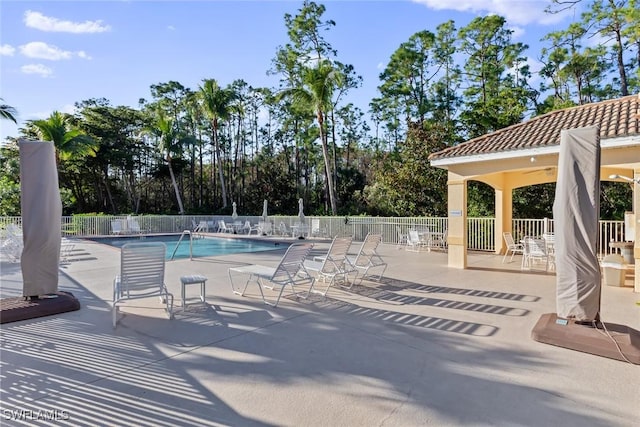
[171,27]
[42,50]
[517,33]
[68,108]
[82,54]
[46,23]
[41,70]
[519,12]
[7,50]
[41,115]
[380,66]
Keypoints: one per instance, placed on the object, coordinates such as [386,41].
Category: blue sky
[56,53]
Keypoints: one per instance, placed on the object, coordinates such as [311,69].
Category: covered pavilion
[527,154]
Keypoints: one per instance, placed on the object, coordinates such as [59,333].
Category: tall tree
[495,75]
[307,64]
[409,74]
[319,83]
[614,21]
[164,128]
[217,107]
[117,163]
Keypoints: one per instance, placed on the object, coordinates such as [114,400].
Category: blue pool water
[205,246]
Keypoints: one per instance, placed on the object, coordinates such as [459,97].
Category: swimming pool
[205,246]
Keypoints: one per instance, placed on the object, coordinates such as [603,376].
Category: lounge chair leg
[114,312]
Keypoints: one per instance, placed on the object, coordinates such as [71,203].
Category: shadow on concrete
[154,371]
[395,284]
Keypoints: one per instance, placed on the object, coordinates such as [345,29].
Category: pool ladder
[185,232]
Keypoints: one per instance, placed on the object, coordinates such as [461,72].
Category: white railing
[480,237]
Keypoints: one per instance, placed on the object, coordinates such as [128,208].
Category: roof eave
[609,143]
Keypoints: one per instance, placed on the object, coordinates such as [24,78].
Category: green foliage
[69,141]
[480,200]
[410,186]
[9,197]
[7,112]
[201,148]
[543,194]
[615,199]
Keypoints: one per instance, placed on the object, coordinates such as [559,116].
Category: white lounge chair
[333,266]
[199,227]
[367,257]
[224,228]
[133,226]
[66,248]
[116,226]
[290,271]
[515,248]
[141,275]
[251,228]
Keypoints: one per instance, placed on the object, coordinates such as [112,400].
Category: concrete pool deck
[429,345]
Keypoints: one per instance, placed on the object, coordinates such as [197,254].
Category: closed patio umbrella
[300,211]
[234,215]
[41,216]
[264,211]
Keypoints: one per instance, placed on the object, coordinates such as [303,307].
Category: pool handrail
[190,245]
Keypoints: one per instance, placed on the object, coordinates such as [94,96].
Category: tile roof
[616,118]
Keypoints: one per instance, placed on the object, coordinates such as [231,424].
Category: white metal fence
[480,237]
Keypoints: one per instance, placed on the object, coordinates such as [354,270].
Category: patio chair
[116,227]
[283,230]
[535,251]
[133,225]
[332,266]
[289,271]
[367,257]
[250,228]
[199,227]
[141,275]
[265,228]
[11,243]
[550,241]
[224,228]
[316,230]
[415,243]
[401,238]
[439,240]
[299,230]
[515,248]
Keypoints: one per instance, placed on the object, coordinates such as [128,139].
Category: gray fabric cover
[41,217]
[264,217]
[576,212]
[300,211]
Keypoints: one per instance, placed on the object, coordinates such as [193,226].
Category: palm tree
[318,85]
[217,106]
[165,129]
[8,112]
[68,141]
